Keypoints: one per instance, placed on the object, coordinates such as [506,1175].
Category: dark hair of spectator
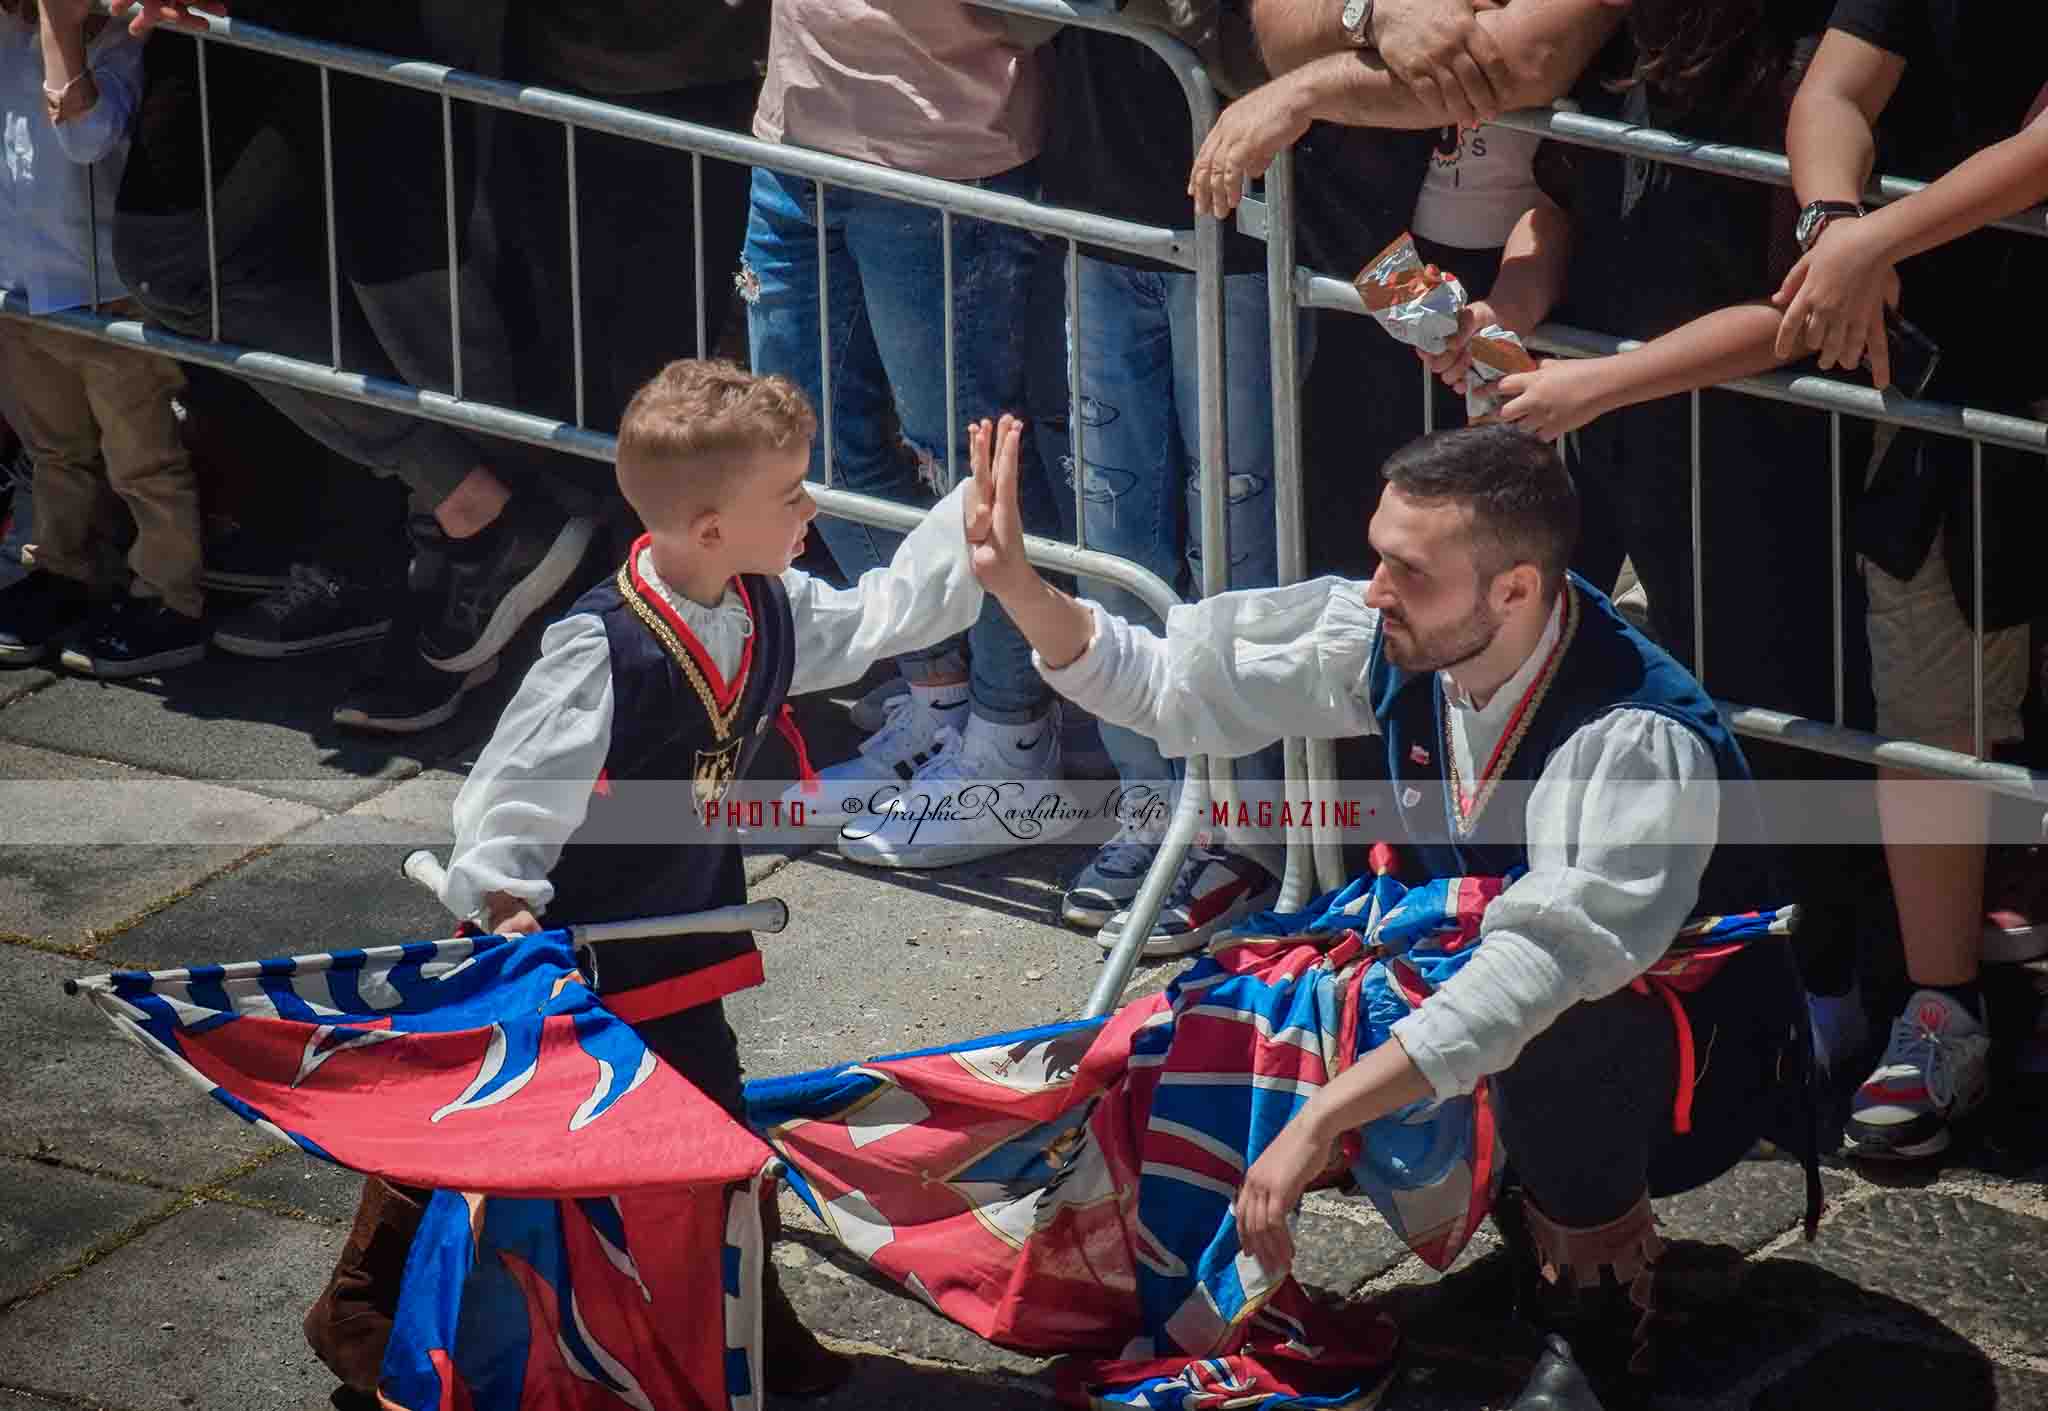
[1723,56]
[1525,508]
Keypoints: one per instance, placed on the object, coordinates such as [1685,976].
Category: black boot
[1594,1298]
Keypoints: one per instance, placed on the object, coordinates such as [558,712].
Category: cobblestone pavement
[155,1255]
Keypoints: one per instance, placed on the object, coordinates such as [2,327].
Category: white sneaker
[910,738]
[989,790]
[1214,891]
[870,713]
[1112,877]
[1935,1070]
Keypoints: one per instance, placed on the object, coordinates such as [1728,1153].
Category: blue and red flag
[594,1239]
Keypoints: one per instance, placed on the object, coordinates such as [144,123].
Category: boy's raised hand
[995,529]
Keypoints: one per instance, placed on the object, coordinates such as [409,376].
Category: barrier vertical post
[1699,602]
[575,272]
[1835,541]
[206,188]
[952,372]
[1977,597]
[327,188]
[697,245]
[1076,451]
[454,250]
[824,330]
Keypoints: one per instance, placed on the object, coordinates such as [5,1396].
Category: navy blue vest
[1603,665]
[679,739]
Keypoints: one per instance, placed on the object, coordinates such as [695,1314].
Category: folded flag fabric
[594,1239]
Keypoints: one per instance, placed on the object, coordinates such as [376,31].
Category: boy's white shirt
[531,786]
[1614,820]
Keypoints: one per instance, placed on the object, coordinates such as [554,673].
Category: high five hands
[995,528]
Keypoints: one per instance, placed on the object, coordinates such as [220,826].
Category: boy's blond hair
[695,425]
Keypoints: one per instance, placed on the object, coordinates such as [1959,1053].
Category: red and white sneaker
[1935,1070]
[1213,891]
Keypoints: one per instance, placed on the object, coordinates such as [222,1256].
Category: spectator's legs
[46,404]
[1934,1069]
[147,466]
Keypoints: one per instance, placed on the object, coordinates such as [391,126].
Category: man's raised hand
[995,529]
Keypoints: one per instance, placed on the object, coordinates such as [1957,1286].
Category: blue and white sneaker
[1213,892]
[1112,877]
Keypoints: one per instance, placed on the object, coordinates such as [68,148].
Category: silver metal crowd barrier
[1198,251]
[1294,288]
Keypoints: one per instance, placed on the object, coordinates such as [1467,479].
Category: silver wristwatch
[1357,21]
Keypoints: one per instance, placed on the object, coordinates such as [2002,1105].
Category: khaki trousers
[96,418]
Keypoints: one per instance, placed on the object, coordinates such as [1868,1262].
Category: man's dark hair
[1525,508]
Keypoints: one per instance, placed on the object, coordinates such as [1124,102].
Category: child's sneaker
[1935,1070]
[913,728]
[1112,877]
[316,611]
[35,612]
[137,637]
[1213,891]
[988,790]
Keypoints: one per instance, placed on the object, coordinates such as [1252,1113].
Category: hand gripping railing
[1294,288]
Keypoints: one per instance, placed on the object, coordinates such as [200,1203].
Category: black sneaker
[241,559]
[486,588]
[136,637]
[403,695]
[316,611]
[37,610]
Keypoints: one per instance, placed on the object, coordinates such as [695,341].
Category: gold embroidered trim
[721,720]
[1466,815]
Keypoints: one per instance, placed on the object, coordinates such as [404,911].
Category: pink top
[931,86]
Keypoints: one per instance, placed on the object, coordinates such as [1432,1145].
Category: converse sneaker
[1112,877]
[889,759]
[36,611]
[1935,1070]
[136,637]
[1213,890]
[987,790]
[871,712]
[402,695]
[316,611]
[487,586]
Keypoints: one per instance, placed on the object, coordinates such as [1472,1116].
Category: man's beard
[1447,647]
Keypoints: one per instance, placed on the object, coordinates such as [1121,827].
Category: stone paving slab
[85,843]
[314,1188]
[1873,1374]
[1974,1267]
[71,1087]
[1337,1249]
[264,726]
[836,1296]
[231,1283]
[21,1401]
[878,961]
[1747,1207]
[301,898]
[50,1218]
[18,682]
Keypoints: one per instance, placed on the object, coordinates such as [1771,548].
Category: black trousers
[1586,1109]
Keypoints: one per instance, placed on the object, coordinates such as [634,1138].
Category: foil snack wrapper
[1419,305]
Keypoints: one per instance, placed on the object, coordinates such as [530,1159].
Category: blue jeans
[884,262]
[1140,419]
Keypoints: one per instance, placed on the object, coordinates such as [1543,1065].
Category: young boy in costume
[599,796]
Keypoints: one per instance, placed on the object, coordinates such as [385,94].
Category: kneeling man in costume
[1528,726]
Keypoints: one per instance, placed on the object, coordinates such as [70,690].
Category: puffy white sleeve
[923,595]
[1233,673]
[531,786]
[1621,825]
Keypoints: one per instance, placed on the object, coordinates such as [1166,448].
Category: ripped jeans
[1141,436]
[884,267]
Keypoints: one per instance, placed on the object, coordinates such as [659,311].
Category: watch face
[1354,11]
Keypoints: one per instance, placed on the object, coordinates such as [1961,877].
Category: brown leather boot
[349,1324]
[793,1361]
